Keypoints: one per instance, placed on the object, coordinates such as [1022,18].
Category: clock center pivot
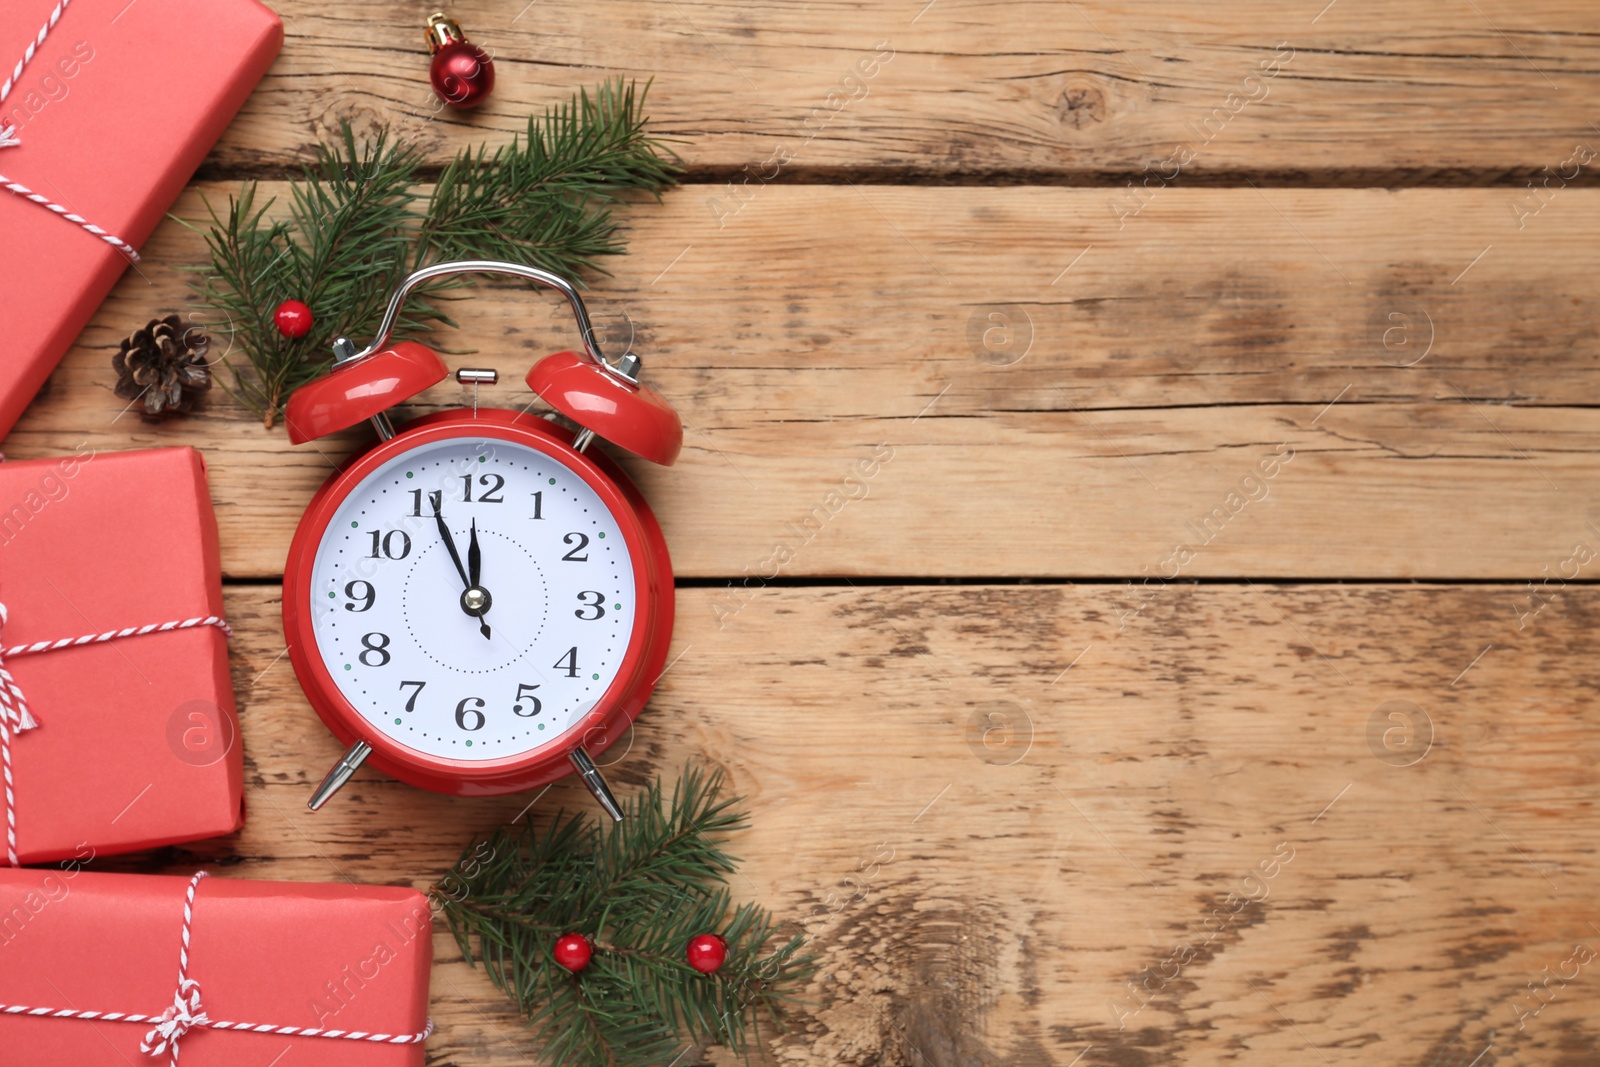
[476,600]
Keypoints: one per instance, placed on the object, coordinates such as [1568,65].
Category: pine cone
[163,365]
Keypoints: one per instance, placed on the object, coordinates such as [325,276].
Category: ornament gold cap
[443,30]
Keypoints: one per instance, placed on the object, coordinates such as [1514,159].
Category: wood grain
[1037,797]
[987,846]
[1214,332]
[1377,94]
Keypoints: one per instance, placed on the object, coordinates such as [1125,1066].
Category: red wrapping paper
[116,110]
[138,741]
[344,957]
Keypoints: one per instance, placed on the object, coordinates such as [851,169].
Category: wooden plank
[1174,359]
[1421,92]
[992,809]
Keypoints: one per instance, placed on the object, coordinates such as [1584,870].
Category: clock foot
[597,785]
[348,764]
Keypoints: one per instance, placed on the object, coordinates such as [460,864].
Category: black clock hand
[474,557]
[474,568]
[449,542]
[475,601]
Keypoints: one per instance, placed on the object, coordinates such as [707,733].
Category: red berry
[573,951]
[707,952]
[293,318]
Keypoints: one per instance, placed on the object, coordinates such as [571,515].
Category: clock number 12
[491,485]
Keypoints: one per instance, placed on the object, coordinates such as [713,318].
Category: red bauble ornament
[461,72]
[707,952]
[573,951]
[293,318]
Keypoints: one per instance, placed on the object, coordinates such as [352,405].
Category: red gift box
[90,969]
[137,739]
[116,109]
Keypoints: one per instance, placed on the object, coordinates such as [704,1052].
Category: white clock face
[417,655]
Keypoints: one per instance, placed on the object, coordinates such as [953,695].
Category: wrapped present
[117,723]
[119,969]
[105,118]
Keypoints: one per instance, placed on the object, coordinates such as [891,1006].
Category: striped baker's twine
[33,46]
[14,714]
[186,1012]
[8,139]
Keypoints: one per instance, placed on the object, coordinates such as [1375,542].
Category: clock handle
[627,369]
[348,764]
[597,785]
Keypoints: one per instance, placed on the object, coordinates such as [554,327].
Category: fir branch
[544,198]
[356,224]
[343,246]
[354,215]
[244,248]
[640,889]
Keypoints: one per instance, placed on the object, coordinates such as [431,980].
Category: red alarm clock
[479,602]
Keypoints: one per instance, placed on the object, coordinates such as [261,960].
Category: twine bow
[9,139]
[185,1014]
[15,718]
[13,705]
[176,1020]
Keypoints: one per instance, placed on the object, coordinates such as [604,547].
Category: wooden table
[1205,674]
